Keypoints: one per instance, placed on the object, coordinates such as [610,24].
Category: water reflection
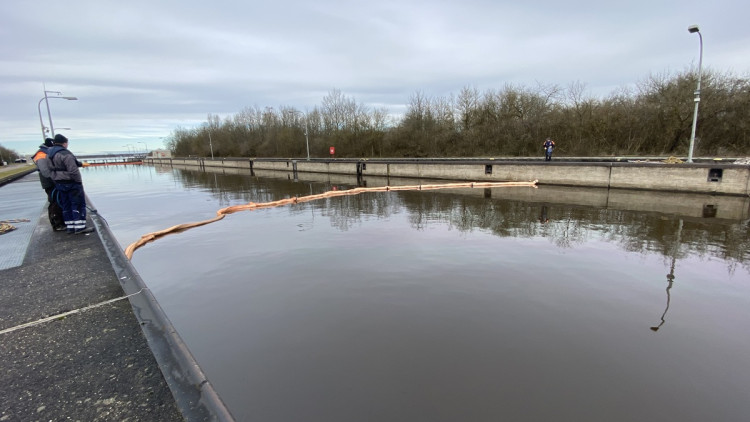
[670,276]
[572,224]
[571,221]
[448,305]
[544,217]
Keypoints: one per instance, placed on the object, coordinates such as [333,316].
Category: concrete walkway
[94,359]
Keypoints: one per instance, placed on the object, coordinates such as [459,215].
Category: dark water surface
[445,305]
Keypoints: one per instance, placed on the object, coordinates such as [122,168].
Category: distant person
[549,146]
[69,185]
[544,217]
[43,164]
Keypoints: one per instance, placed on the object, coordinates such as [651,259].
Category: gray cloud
[142,68]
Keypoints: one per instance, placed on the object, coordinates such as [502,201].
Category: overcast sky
[142,68]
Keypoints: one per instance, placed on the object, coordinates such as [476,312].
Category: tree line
[653,118]
[7,155]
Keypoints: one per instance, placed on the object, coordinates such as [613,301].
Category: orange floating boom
[220,214]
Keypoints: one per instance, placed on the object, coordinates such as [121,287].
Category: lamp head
[70,98]
[693,29]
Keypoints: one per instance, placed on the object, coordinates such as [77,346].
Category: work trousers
[54,210]
[73,203]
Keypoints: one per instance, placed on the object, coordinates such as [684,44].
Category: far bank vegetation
[654,118]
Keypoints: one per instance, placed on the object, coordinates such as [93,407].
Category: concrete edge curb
[193,392]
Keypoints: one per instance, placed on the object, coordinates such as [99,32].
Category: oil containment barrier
[220,214]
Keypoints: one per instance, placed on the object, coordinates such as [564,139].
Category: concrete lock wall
[683,204]
[722,179]
[730,180]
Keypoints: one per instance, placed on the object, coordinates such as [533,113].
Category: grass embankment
[14,169]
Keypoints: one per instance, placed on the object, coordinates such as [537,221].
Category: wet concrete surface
[92,365]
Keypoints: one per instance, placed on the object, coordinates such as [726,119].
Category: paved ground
[22,212]
[93,365]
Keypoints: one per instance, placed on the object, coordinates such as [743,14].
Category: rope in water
[220,214]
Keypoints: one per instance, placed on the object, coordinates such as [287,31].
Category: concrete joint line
[65,314]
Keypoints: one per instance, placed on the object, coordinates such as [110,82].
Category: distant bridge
[114,156]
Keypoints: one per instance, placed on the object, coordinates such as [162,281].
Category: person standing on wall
[69,185]
[54,211]
[549,146]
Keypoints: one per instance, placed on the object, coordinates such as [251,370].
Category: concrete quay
[81,336]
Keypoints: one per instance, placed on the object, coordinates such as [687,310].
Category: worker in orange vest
[54,211]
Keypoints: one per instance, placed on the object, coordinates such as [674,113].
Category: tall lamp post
[49,114]
[144,144]
[307,141]
[694,29]
[44,129]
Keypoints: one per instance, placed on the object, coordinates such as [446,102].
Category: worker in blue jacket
[549,146]
[69,185]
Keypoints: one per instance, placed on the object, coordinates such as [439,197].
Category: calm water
[442,306]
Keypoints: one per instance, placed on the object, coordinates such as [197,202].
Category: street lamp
[39,108]
[144,144]
[49,115]
[694,29]
[307,141]
[44,129]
